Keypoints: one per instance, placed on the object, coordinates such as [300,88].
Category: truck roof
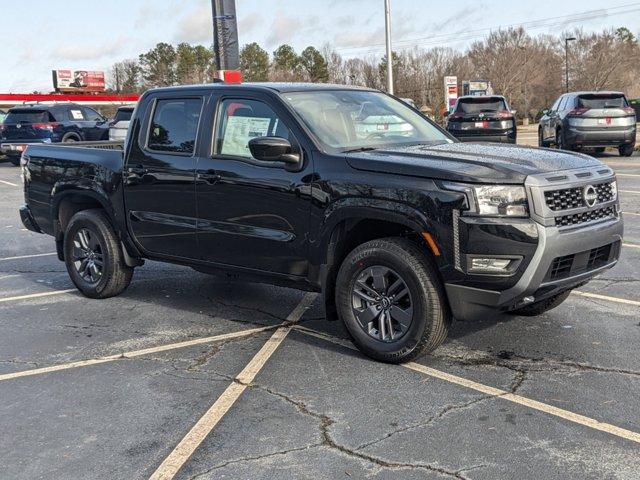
[267,86]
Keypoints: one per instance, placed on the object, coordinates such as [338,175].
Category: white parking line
[21,257]
[630,191]
[626,175]
[605,297]
[37,295]
[631,245]
[498,393]
[9,183]
[132,354]
[631,213]
[177,458]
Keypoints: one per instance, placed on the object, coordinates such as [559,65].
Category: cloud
[72,52]
[196,26]
[283,29]
[248,23]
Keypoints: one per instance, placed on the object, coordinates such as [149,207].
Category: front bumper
[603,137]
[469,303]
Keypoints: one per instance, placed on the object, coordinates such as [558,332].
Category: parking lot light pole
[566,61]
[387,25]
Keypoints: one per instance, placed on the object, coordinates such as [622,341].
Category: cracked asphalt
[317,409]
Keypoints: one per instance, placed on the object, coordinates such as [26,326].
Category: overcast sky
[41,35]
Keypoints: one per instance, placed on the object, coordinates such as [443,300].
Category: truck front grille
[568,198]
[571,265]
[589,216]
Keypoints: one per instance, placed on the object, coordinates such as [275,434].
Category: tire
[426,323]
[560,141]
[626,150]
[541,142]
[70,138]
[599,150]
[538,308]
[91,231]
[15,161]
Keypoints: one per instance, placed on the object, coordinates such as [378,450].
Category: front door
[160,176]
[253,214]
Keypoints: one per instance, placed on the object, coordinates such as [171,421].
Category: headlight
[494,200]
[507,200]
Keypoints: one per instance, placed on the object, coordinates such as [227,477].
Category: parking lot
[202,377]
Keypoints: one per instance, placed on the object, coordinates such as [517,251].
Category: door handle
[137,170]
[208,176]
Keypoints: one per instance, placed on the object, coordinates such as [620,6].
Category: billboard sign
[78,81]
[450,92]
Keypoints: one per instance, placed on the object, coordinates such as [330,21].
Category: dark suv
[589,119]
[55,123]
[484,118]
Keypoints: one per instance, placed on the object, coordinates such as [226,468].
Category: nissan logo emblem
[590,195]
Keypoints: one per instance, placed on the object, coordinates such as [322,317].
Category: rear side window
[174,125]
[602,101]
[29,116]
[481,104]
[123,115]
[76,114]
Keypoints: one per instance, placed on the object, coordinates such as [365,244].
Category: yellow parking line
[630,191]
[632,245]
[177,458]
[605,297]
[498,393]
[9,183]
[21,257]
[37,295]
[132,354]
[631,213]
[627,175]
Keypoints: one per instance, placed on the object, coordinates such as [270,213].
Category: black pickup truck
[342,190]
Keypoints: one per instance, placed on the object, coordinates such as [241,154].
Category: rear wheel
[625,150]
[538,308]
[70,138]
[541,142]
[390,298]
[560,145]
[93,256]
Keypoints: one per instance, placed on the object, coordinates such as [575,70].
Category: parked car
[485,118]
[589,119]
[120,124]
[40,123]
[271,182]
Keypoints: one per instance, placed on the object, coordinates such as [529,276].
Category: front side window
[91,115]
[345,120]
[174,125]
[240,121]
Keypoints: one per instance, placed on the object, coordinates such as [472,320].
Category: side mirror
[545,111]
[273,149]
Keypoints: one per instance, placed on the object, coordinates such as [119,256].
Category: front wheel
[625,150]
[93,256]
[560,145]
[391,300]
[541,142]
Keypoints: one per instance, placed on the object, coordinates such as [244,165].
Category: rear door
[160,174]
[96,127]
[602,111]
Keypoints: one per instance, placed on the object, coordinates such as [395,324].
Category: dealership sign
[78,81]
[450,92]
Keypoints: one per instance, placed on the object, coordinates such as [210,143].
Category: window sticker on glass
[77,114]
[238,132]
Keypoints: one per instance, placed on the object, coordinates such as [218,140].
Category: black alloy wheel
[88,256]
[382,303]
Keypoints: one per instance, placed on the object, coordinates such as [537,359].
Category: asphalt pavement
[190,376]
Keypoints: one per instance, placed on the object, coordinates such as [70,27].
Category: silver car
[120,124]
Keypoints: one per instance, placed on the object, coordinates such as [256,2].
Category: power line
[470,34]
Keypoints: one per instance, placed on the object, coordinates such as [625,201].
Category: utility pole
[387,25]
[225,35]
[566,61]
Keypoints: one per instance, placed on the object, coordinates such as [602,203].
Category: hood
[469,162]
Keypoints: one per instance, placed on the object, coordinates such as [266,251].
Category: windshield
[346,120]
[478,105]
[602,101]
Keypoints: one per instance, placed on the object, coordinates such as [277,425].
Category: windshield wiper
[359,149]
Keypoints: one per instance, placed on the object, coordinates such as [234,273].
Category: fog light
[490,265]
